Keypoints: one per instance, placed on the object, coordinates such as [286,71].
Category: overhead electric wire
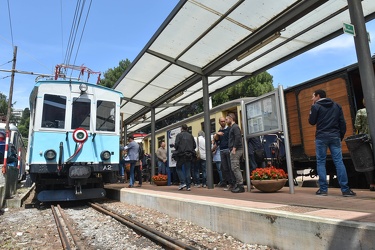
[70,44]
[62,30]
[6,63]
[10,24]
[83,30]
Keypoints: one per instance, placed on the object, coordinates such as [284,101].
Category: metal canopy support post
[365,66]
[153,140]
[207,132]
[246,146]
[286,140]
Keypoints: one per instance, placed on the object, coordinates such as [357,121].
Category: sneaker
[238,189]
[188,189]
[228,188]
[182,186]
[197,185]
[204,186]
[223,185]
[348,193]
[321,193]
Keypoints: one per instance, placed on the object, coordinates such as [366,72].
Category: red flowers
[160,177]
[269,173]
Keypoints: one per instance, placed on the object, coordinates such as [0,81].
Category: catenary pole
[207,133]
[365,65]
[9,109]
[153,142]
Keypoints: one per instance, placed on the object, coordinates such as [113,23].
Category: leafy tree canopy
[3,104]
[23,126]
[112,75]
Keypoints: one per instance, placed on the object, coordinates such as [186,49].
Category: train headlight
[83,87]
[50,154]
[105,155]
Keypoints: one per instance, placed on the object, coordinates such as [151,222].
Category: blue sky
[118,30]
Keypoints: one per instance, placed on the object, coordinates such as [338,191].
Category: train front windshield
[81,113]
[55,109]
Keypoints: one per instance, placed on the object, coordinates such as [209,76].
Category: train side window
[212,126]
[81,113]
[53,111]
[105,116]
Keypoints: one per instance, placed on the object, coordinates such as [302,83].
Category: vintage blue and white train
[74,139]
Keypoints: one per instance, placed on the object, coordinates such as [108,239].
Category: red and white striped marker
[4,169]
[19,159]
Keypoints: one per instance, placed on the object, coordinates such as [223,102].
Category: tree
[3,104]
[23,126]
[112,75]
[253,86]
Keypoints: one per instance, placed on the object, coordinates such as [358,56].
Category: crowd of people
[190,156]
[228,149]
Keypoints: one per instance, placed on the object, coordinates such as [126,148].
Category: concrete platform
[280,220]
[19,198]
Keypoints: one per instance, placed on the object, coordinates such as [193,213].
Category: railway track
[159,238]
[63,224]
[70,237]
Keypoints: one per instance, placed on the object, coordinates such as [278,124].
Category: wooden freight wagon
[344,87]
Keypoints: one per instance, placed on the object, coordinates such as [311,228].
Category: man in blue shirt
[132,148]
[330,130]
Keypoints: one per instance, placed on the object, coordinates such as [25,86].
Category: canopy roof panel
[226,40]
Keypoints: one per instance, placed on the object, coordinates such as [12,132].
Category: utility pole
[7,129]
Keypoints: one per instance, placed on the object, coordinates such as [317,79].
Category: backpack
[141,153]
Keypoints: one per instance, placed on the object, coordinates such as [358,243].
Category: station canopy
[227,41]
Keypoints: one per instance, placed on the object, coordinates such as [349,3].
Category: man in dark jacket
[185,151]
[236,151]
[222,139]
[330,130]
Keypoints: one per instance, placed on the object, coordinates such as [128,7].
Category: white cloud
[340,43]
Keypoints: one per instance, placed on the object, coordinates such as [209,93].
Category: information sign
[263,115]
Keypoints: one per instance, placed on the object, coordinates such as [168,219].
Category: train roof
[42,82]
[333,74]
[38,83]
[12,127]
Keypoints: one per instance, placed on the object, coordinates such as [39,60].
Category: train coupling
[78,189]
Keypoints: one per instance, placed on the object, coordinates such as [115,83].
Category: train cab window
[105,116]
[53,111]
[81,110]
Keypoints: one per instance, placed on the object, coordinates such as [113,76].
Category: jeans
[132,167]
[183,171]
[196,171]
[334,145]
[121,167]
[168,173]
[161,168]
[226,170]
[199,165]
[218,167]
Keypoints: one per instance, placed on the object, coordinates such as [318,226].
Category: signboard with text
[263,115]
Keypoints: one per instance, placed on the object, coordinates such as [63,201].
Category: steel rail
[64,239]
[72,232]
[156,236]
